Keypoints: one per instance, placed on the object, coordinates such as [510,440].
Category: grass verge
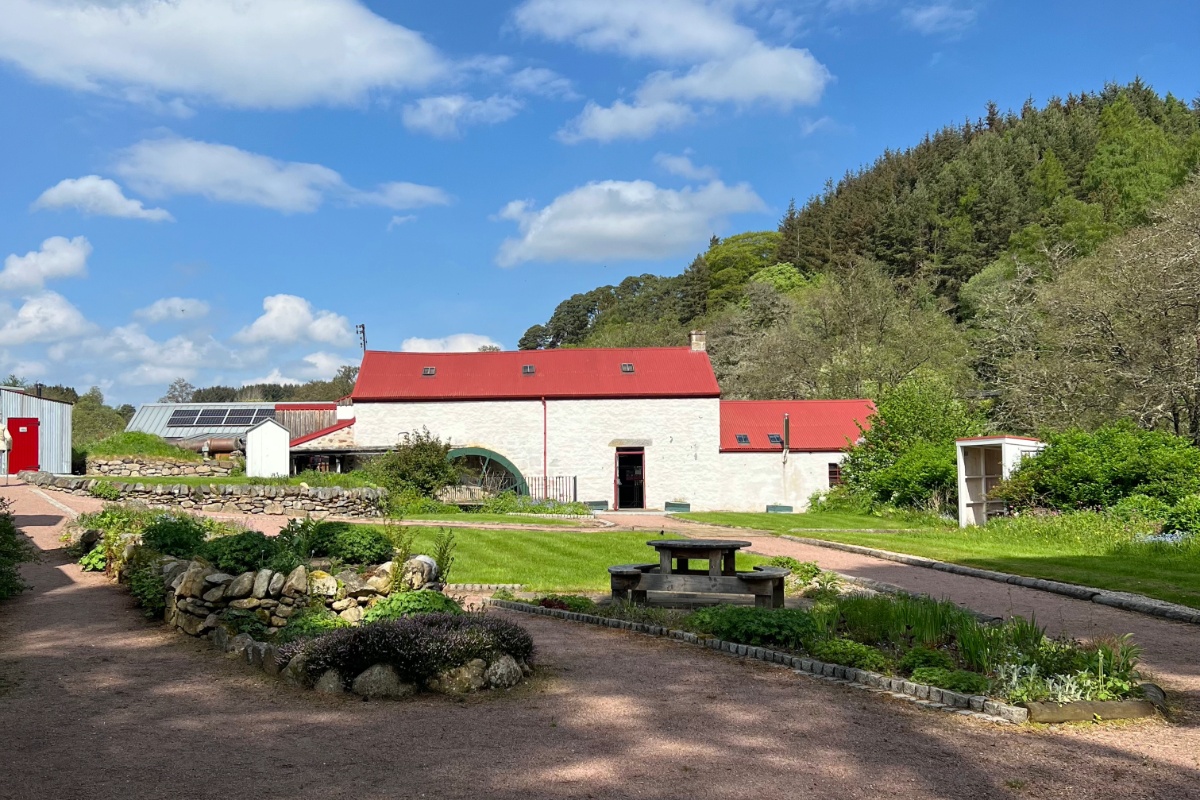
[783,523]
[510,519]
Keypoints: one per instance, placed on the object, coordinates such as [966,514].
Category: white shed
[267,447]
[984,461]
[39,432]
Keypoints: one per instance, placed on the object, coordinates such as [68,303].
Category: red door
[23,453]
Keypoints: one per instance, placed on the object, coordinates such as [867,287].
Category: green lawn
[782,523]
[511,519]
[547,560]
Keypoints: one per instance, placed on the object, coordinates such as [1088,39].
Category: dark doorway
[631,477]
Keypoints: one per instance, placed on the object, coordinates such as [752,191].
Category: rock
[353,615]
[214,594]
[461,680]
[285,611]
[254,653]
[296,582]
[503,673]
[296,671]
[244,604]
[172,609]
[1154,693]
[264,616]
[342,605]
[354,584]
[278,622]
[380,584]
[267,603]
[210,622]
[192,584]
[88,539]
[418,571]
[189,624]
[330,683]
[219,578]
[276,584]
[270,660]
[262,582]
[173,572]
[242,585]
[322,583]
[220,638]
[379,681]
[239,643]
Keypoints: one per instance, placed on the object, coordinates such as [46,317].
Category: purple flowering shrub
[418,647]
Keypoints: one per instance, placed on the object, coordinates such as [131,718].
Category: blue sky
[221,189]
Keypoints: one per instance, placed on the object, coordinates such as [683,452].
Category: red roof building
[756,426]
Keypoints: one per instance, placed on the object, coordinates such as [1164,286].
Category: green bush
[146,586]
[361,544]
[403,604]
[924,657]
[782,627]
[802,571]
[1141,505]
[513,503]
[96,560]
[567,602]
[181,536]
[133,443]
[240,552]
[105,491]
[15,550]
[118,519]
[1184,516]
[419,464]
[955,680]
[849,654]
[309,623]
[925,474]
[410,502]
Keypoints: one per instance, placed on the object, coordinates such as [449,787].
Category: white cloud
[274,376]
[682,166]
[152,361]
[616,220]
[96,196]
[221,172]
[445,116]
[44,317]
[289,318]
[624,121]
[59,258]
[783,76]
[401,220]
[543,82]
[936,19]
[173,308]
[455,343]
[242,53]
[315,366]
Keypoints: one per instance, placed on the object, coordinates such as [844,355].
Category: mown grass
[546,561]
[782,523]
[510,519]
[134,443]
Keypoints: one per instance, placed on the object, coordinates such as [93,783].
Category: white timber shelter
[267,450]
[984,461]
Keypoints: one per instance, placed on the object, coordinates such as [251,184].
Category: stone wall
[292,501]
[147,467]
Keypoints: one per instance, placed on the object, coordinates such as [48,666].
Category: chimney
[696,339]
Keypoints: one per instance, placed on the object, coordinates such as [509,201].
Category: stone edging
[929,697]
[481,587]
[1127,601]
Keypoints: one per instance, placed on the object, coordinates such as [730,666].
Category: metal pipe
[545,448]
[215,444]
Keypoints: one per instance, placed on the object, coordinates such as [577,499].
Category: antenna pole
[361,330]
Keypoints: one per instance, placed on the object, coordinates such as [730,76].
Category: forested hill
[926,263]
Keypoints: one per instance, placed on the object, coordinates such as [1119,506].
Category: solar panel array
[218,417]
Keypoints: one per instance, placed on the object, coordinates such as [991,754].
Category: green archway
[488,457]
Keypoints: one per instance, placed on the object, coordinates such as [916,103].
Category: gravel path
[98,703]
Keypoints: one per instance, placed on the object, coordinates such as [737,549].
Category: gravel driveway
[96,702]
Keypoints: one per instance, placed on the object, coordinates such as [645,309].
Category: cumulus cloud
[173,308]
[682,166]
[446,116]
[315,366]
[221,172]
[543,82]
[935,19]
[401,220]
[241,53]
[58,257]
[288,318]
[274,376]
[94,196]
[455,343]
[617,220]
[43,317]
[624,121]
[150,361]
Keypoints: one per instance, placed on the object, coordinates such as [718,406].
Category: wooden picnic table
[673,573]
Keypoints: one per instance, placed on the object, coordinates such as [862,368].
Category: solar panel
[774,438]
[743,439]
[264,413]
[240,416]
[212,416]
[182,418]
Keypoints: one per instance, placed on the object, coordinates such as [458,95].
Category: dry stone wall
[143,467]
[292,501]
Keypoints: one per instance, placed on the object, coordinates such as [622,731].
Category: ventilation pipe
[787,436]
[697,341]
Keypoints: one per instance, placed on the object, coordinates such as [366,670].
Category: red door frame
[617,474]
[24,453]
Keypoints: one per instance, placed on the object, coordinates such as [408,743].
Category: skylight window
[428,372]
[743,439]
[627,368]
[774,438]
[527,369]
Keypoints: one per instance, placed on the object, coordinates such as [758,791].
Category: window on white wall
[835,474]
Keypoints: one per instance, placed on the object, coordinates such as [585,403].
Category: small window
[528,369]
[743,439]
[428,372]
[627,368]
[835,474]
[775,438]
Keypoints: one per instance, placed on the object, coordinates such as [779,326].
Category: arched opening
[488,471]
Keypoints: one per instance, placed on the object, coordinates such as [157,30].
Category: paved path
[98,703]
[1172,649]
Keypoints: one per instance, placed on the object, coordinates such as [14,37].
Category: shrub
[105,490]
[132,443]
[782,627]
[802,571]
[418,464]
[361,544]
[956,680]
[923,657]
[118,519]
[1184,516]
[410,502]
[567,602]
[850,654]
[15,550]
[146,586]
[924,475]
[309,623]
[405,604]
[1141,505]
[418,647]
[96,560]
[240,552]
[181,536]
[513,503]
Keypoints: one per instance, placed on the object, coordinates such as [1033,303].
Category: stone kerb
[288,500]
[148,467]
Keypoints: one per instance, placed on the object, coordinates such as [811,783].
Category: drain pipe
[545,449]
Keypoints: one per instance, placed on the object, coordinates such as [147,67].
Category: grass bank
[467,517]
[783,523]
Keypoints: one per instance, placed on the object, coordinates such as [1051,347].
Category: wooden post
[714,562]
[730,563]
[664,561]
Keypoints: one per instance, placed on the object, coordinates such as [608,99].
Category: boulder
[219,579]
[353,615]
[88,539]
[254,654]
[270,660]
[214,594]
[296,671]
[461,680]
[330,683]
[278,622]
[192,584]
[380,584]
[245,604]
[354,584]
[503,673]
[296,582]
[262,582]
[276,584]
[418,571]
[239,643]
[189,623]
[220,638]
[322,583]
[173,571]
[210,622]
[379,681]
[242,585]
[343,604]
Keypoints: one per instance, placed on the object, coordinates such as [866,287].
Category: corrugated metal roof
[155,418]
[816,425]
[556,374]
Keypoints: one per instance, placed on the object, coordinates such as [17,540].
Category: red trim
[998,436]
[532,398]
[779,449]
[306,406]
[308,437]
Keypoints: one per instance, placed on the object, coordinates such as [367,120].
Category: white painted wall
[752,481]
[267,447]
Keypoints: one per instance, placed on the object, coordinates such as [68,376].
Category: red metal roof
[558,374]
[308,437]
[816,425]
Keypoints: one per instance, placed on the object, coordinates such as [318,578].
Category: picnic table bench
[674,573]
